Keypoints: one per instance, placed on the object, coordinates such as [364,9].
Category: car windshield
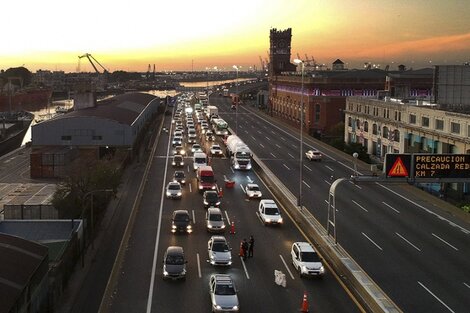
[225,290]
[174,260]
[200,160]
[310,257]
[215,217]
[253,188]
[220,247]
[212,196]
[179,175]
[173,187]
[271,211]
[181,218]
[207,179]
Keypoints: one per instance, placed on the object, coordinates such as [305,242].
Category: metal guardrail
[366,291]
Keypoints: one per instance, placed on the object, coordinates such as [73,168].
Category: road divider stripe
[359,205]
[287,267]
[253,138]
[307,167]
[388,205]
[243,189]
[466,285]
[194,217]
[329,168]
[375,244]
[267,138]
[283,139]
[436,297]
[244,267]
[228,218]
[261,145]
[278,146]
[406,240]
[329,183]
[198,265]
[291,155]
[445,242]
[303,181]
[286,166]
[273,155]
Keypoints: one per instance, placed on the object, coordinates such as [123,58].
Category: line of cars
[222,289]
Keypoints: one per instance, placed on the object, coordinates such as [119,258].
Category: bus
[219,126]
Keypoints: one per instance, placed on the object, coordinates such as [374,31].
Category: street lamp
[299,200]
[91,205]
[237,98]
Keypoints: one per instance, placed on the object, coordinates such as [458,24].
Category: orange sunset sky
[180,34]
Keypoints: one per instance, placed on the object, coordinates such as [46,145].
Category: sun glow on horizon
[182,34]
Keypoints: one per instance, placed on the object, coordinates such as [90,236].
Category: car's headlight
[237,166]
[217,203]
[322,270]
[188,227]
[209,226]
[168,193]
[218,307]
[235,307]
[183,181]
[178,194]
[248,166]
[303,269]
[213,187]
[268,220]
[223,226]
[173,163]
[200,187]
[205,202]
[280,220]
[165,273]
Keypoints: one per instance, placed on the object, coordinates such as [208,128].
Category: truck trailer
[240,154]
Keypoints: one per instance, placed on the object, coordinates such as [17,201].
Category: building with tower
[279,52]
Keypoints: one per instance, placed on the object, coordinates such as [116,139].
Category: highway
[141,288]
[414,249]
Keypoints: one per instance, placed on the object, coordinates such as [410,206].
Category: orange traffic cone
[304,308]
[232,228]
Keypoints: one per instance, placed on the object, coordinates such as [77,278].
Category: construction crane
[91,58]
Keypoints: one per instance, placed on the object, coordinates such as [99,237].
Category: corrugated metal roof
[19,259]
[123,108]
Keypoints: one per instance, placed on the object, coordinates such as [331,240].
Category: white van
[199,159]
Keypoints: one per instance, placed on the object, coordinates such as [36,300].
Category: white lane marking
[259,218]
[259,132]
[287,267]
[293,145]
[437,298]
[286,166]
[267,138]
[356,185]
[425,209]
[243,189]
[329,183]
[228,218]
[278,146]
[194,217]
[303,181]
[307,167]
[231,168]
[266,127]
[291,155]
[408,241]
[359,205]
[466,285]
[445,242]
[253,138]
[380,248]
[272,132]
[190,187]
[391,207]
[273,155]
[244,267]
[252,126]
[198,265]
[249,179]
[283,139]
[261,145]
[329,168]
[246,131]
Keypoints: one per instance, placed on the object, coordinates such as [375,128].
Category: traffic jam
[198,135]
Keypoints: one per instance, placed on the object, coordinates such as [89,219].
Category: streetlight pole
[237,98]
[91,206]
[301,159]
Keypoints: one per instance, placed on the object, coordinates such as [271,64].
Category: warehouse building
[93,129]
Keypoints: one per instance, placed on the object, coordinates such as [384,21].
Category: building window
[374,129]
[455,128]
[396,135]
[412,119]
[425,121]
[439,124]
[349,121]
[97,138]
[358,123]
[366,126]
[385,132]
[68,138]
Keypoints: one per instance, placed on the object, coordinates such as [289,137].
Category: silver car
[223,293]
[214,220]
[253,191]
[219,251]
[174,190]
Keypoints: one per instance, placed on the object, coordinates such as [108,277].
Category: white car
[216,150]
[269,212]
[174,190]
[306,260]
[219,252]
[253,191]
[313,155]
[223,293]
[191,136]
[196,148]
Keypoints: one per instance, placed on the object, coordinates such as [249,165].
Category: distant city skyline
[185,35]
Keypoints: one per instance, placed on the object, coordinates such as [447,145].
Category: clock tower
[279,51]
